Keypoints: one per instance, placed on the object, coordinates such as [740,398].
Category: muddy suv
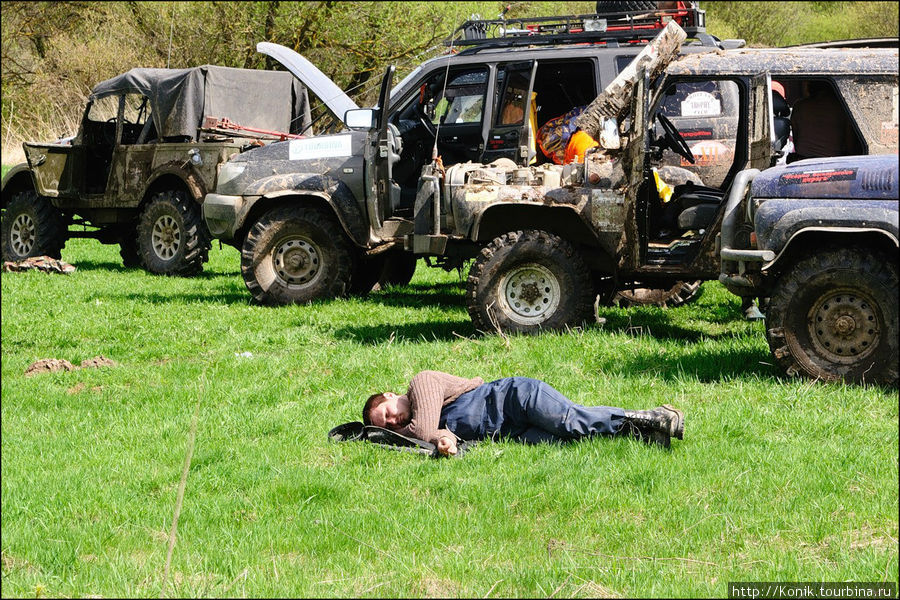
[143,159]
[817,241]
[317,217]
[354,192]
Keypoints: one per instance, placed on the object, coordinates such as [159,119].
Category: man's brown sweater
[429,392]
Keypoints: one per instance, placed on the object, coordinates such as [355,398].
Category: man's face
[394,413]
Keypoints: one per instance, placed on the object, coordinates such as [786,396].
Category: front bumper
[221,214]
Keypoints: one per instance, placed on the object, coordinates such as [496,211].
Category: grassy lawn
[776,480]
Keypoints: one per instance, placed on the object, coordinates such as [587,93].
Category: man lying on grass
[441,409]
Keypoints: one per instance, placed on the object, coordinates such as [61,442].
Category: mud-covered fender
[268,192]
[192,180]
[778,222]
[16,179]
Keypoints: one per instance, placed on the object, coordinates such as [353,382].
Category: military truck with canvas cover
[144,157]
[817,241]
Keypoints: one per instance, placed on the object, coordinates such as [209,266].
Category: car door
[513,122]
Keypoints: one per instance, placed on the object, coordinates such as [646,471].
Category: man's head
[387,410]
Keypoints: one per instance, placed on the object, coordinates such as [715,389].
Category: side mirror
[360,118]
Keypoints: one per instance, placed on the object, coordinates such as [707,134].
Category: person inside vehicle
[441,409]
[820,125]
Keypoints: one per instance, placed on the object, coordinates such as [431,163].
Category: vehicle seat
[395,147]
[782,118]
[697,205]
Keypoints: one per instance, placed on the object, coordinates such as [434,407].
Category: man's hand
[446,446]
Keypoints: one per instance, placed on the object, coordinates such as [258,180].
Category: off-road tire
[128,250]
[617,7]
[373,273]
[399,268]
[834,316]
[527,282]
[683,292]
[366,273]
[295,255]
[172,238]
[31,226]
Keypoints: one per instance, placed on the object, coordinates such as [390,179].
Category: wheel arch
[812,240]
[172,177]
[562,221]
[17,179]
[253,210]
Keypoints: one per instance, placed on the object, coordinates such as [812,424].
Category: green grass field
[776,480]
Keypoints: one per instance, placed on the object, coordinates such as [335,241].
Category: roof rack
[630,27]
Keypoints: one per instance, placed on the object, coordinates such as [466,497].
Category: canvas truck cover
[181,98]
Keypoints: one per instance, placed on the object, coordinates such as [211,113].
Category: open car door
[512,130]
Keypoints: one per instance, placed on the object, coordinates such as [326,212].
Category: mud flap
[391,440]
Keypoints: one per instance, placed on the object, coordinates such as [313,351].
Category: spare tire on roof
[617,7]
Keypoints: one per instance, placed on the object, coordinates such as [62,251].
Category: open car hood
[317,82]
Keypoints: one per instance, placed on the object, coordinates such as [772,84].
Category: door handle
[39,161]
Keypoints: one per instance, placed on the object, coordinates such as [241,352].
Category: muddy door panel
[634,232]
[387,192]
[130,170]
[57,169]
[761,125]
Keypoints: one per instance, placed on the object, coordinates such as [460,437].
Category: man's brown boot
[655,426]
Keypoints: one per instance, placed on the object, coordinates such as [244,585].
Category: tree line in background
[53,53]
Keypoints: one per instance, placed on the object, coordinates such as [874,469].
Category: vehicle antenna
[437,130]
[171,31]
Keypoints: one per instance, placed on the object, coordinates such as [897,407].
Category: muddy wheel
[366,273]
[399,268]
[295,255]
[527,282]
[172,238]
[373,273]
[128,250]
[32,227]
[834,316]
[682,292]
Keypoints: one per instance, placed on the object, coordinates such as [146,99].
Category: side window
[138,125]
[514,86]
[820,122]
[104,109]
[137,108]
[706,115]
[874,105]
[462,101]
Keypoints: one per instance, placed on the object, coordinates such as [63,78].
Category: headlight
[229,171]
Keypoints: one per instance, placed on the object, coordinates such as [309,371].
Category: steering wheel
[109,133]
[674,140]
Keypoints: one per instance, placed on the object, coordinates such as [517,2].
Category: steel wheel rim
[166,237]
[843,325]
[530,293]
[22,234]
[297,261]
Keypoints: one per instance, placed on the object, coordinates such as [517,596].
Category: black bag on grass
[355,431]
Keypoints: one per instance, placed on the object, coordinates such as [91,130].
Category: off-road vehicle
[143,159]
[312,216]
[469,99]
[817,241]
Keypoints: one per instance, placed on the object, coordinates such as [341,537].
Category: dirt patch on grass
[54,365]
[97,362]
[49,365]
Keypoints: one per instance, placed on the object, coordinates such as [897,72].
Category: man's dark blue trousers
[527,410]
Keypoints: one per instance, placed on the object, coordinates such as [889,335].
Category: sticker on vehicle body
[701,104]
[819,176]
[709,152]
[326,147]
